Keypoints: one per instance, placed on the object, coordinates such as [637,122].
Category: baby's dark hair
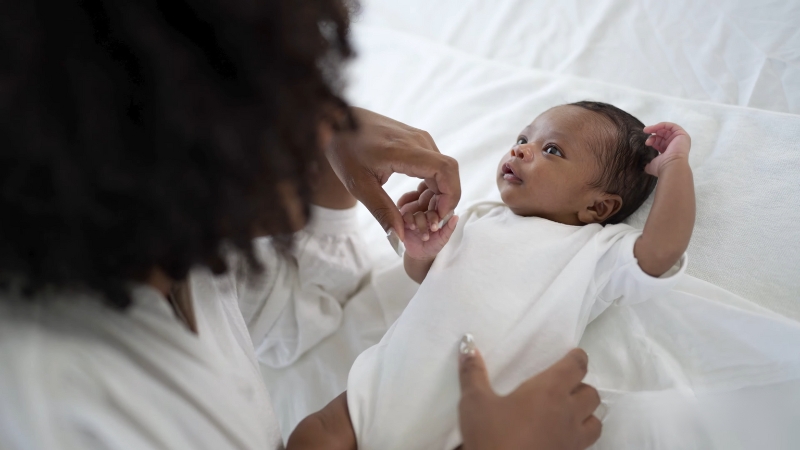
[622,160]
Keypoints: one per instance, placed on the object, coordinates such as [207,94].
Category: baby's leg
[328,428]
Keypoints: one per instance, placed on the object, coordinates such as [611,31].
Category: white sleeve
[621,281]
[298,301]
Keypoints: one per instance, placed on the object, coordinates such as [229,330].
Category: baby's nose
[521,152]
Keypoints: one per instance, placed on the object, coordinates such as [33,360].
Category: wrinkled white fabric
[736,52]
[525,287]
[298,301]
[75,374]
[320,374]
[696,368]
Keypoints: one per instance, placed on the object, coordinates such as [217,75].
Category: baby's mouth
[509,174]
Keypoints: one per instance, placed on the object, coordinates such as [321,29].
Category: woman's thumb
[472,374]
[382,208]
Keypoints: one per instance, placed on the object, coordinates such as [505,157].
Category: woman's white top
[75,374]
[525,287]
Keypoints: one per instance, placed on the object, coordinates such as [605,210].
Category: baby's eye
[553,150]
[522,140]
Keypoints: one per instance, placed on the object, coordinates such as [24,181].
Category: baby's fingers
[421,222]
[448,228]
[663,128]
[657,142]
[433,220]
[408,220]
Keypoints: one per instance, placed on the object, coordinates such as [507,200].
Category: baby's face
[548,171]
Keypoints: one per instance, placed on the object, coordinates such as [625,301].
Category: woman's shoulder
[46,352]
[48,371]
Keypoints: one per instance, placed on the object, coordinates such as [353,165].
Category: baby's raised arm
[425,232]
[669,226]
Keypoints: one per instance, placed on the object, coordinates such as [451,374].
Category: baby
[526,276]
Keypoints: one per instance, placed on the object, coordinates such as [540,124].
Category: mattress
[473,73]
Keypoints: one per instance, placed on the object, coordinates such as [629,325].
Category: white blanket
[746,238]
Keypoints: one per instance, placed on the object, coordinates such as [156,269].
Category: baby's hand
[423,238]
[671,141]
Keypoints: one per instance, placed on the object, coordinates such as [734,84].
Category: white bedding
[738,52]
[468,75]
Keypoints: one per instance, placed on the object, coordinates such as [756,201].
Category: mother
[146,144]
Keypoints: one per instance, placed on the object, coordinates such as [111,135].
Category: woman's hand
[553,410]
[364,160]
[426,233]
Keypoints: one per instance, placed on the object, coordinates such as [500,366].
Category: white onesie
[525,287]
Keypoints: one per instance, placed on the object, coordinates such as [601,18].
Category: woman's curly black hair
[152,133]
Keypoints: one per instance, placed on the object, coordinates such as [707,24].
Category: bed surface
[473,73]
[737,52]
[745,160]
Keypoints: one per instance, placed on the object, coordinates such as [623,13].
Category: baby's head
[578,164]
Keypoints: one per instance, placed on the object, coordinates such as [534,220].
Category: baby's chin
[512,199]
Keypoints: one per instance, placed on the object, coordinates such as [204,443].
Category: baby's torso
[523,286]
[500,266]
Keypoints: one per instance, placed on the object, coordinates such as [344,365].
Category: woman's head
[145,134]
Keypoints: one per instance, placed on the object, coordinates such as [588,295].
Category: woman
[146,144]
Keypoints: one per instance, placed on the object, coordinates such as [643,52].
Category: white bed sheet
[746,171]
[474,104]
[737,52]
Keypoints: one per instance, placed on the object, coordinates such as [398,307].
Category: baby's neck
[565,218]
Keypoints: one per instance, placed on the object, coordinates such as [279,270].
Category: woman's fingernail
[425,237]
[434,227]
[395,242]
[446,218]
[467,345]
[601,412]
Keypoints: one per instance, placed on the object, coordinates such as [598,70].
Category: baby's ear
[605,205]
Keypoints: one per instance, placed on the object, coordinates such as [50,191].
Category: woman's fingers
[365,159]
[425,199]
[472,375]
[569,371]
[379,204]
[590,432]
[586,400]
[439,171]
[407,198]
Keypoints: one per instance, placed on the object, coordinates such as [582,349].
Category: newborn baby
[526,276]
